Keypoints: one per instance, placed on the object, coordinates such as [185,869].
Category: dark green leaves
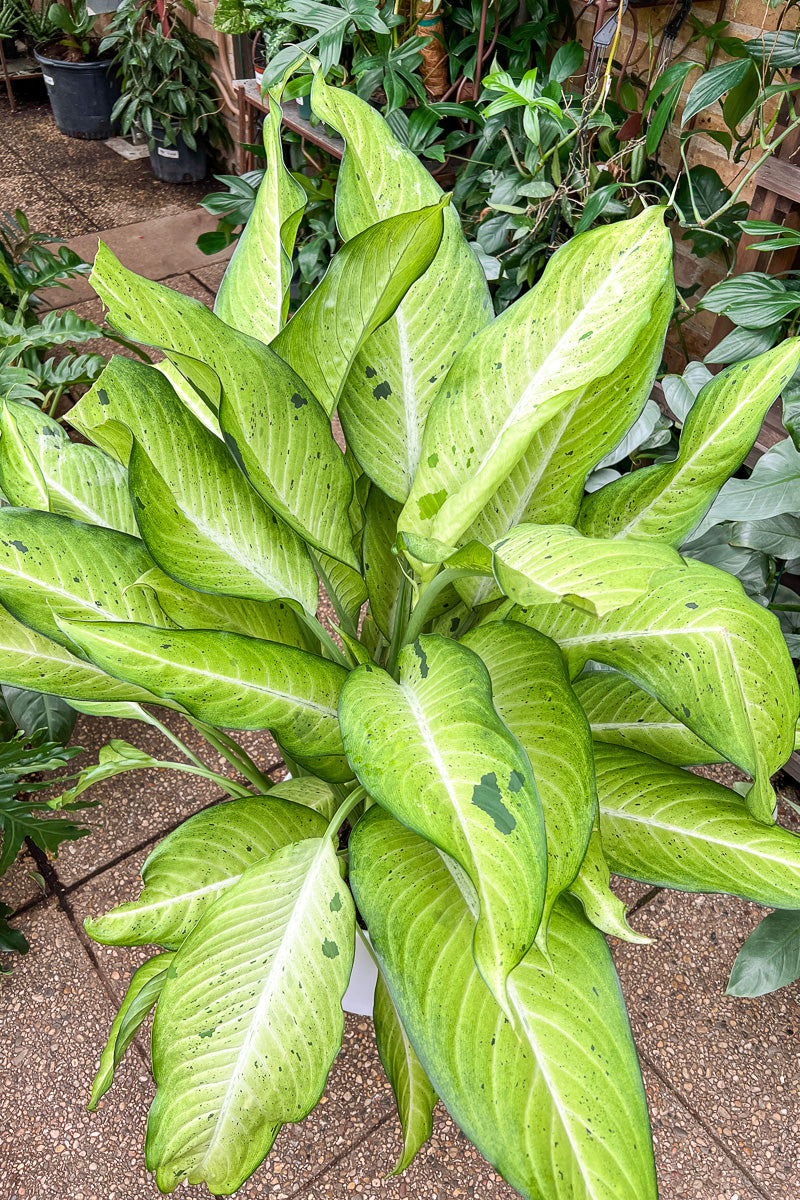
[770,958]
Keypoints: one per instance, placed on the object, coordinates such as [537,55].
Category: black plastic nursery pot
[81,96]
[177,163]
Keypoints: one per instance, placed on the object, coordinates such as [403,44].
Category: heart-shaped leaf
[250,1018]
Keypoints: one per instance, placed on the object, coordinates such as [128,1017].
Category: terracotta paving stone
[734,1062]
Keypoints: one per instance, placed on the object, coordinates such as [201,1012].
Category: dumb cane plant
[487,776]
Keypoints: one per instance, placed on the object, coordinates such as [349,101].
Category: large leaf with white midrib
[53,565]
[623,714]
[667,500]
[363,286]
[557,1106]
[41,468]
[546,485]
[535,564]
[714,658]
[254,293]
[200,518]
[576,326]
[250,1018]
[396,374]
[432,750]
[673,829]
[228,680]
[199,861]
[531,692]
[301,460]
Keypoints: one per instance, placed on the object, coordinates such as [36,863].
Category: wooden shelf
[251,103]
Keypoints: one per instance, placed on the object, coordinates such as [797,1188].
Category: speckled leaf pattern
[343,583]
[574,327]
[432,750]
[301,471]
[197,863]
[623,714]
[592,887]
[250,1018]
[532,694]
[52,565]
[667,500]
[308,791]
[382,569]
[41,468]
[254,293]
[228,680]
[395,376]
[363,286]
[201,519]
[29,659]
[190,609]
[546,485]
[140,998]
[714,658]
[414,1096]
[536,564]
[558,1105]
[673,829]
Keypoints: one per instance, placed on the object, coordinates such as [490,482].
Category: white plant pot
[360,995]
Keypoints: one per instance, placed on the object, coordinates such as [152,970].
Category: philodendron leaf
[254,293]
[714,658]
[575,327]
[672,829]
[666,501]
[41,468]
[52,565]
[201,519]
[557,1105]
[31,660]
[769,959]
[396,374]
[621,713]
[140,998]
[228,680]
[301,471]
[197,863]
[250,1018]
[546,485]
[366,281]
[412,1089]
[33,711]
[536,564]
[531,692]
[432,750]
[190,609]
[592,887]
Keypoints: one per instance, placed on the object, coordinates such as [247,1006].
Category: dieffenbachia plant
[500,713]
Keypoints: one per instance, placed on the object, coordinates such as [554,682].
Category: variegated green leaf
[345,587]
[666,501]
[575,327]
[41,468]
[623,714]
[667,827]
[254,293]
[714,658]
[200,518]
[531,692]
[308,791]
[362,288]
[395,376]
[140,998]
[536,564]
[197,404]
[592,887]
[382,569]
[228,680]
[412,1089]
[557,1104]
[199,861]
[260,400]
[432,750]
[250,1018]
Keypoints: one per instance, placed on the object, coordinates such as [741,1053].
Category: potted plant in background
[167,87]
[81,84]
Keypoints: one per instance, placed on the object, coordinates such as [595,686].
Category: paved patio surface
[722,1075]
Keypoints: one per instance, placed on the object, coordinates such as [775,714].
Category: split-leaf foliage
[519,681]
